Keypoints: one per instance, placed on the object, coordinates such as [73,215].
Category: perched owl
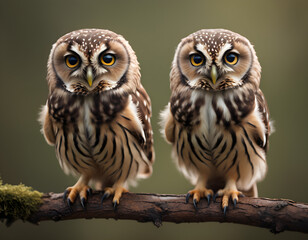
[97,114]
[217,119]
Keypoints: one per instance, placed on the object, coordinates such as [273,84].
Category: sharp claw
[69,203]
[214,197]
[234,202]
[115,204]
[242,195]
[89,192]
[195,204]
[187,197]
[225,210]
[64,195]
[208,199]
[83,202]
[106,195]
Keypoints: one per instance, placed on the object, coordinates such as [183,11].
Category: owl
[97,113]
[217,119]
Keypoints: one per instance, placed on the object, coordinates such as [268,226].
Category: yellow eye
[108,59]
[231,58]
[196,59]
[72,61]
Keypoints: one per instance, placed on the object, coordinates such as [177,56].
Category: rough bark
[276,214]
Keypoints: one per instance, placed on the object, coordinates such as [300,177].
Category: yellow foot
[78,189]
[199,193]
[117,192]
[226,195]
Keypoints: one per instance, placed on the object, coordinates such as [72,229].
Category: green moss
[18,202]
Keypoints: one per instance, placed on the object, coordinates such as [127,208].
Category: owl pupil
[231,57]
[197,59]
[72,60]
[107,58]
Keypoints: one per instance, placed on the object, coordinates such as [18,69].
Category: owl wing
[167,124]
[47,126]
[144,109]
[264,112]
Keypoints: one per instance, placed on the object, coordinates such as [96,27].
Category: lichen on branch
[18,202]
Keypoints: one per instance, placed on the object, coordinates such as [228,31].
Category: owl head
[215,60]
[92,60]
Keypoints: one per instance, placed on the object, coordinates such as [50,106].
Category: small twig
[276,214]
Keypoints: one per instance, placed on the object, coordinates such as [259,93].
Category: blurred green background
[278,29]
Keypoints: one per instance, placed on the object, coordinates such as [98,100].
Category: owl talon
[199,193]
[106,195]
[64,195]
[195,203]
[69,203]
[187,197]
[234,202]
[225,210]
[209,199]
[117,192]
[83,202]
[227,194]
[214,197]
[71,193]
[115,204]
[89,192]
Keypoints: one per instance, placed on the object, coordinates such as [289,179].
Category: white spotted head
[92,60]
[214,60]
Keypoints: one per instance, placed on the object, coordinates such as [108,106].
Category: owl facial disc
[91,60]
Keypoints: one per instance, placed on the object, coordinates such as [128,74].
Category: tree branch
[275,214]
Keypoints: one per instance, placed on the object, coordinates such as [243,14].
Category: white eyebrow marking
[222,51]
[200,47]
[95,55]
